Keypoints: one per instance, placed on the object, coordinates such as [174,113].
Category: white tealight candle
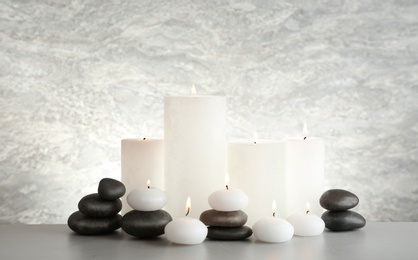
[273,229]
[185,230]
[307,224]
[228,199]
[148,199]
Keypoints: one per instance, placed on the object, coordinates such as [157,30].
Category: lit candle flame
[144,130]
[308,207]
[193,91]
[227,181]
[188,205]
[148,184]
[255,136]
[305,131]
[274,208]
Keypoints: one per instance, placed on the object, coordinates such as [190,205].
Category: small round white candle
[307,224]
[228,199]
[185,230]
[147,199]
[273,229]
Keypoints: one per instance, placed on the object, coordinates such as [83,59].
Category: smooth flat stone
[338,200]
[145,224]
[343,220]
[217,218]
[224,233]
[94,206]
[110,189]
[84,225]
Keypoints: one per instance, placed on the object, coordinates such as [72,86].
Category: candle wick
[274,214]
[227,187]
[255,142]
[304,138]
[144,138]
[188,211]
[148,187]
[307,211]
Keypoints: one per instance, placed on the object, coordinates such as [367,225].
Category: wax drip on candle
[188,206]
[144,130]
[273,208]
[308,207]
[305,131]
[148,184]
[255,137]
[193,91]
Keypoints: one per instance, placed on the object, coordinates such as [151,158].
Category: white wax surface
[228,200]
[141,160]
[257,169]
[304,171]
[306,224]
[273,230]
[195,150]
[186,230]
[147,199]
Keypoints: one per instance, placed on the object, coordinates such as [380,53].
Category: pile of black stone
[226,225]
[338,216]
[98,212]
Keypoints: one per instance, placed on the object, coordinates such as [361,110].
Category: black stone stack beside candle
[226,225]
[338,216]
[98,212]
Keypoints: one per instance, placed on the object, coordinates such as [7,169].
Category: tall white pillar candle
[195,149]
[255,167]
[141,160]
[304,169]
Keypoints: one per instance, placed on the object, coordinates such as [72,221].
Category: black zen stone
[145,224]
[224,233]
[223,219]
[343,220]
[94,206]
[338,200]
[110,189]
[84,225]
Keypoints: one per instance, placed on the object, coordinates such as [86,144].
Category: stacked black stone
[98,212]
[338,216]
[147,219]
[225,225]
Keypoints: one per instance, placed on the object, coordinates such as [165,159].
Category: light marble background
[78,76]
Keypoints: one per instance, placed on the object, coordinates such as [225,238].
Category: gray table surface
[378,240]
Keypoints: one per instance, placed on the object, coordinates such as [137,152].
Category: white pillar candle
[255,166]
[195,149]
[306,224]
[147,199]
[186,230]
[273,229]
[304,171]
[228,199]
[141,159]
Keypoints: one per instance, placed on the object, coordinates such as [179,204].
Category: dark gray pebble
[338,200]
[94,206]
[145,224]
[223,219]
[224,233]
[343,220]
[84,225]
[110,189]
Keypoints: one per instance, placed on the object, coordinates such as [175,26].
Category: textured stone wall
[76,77]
